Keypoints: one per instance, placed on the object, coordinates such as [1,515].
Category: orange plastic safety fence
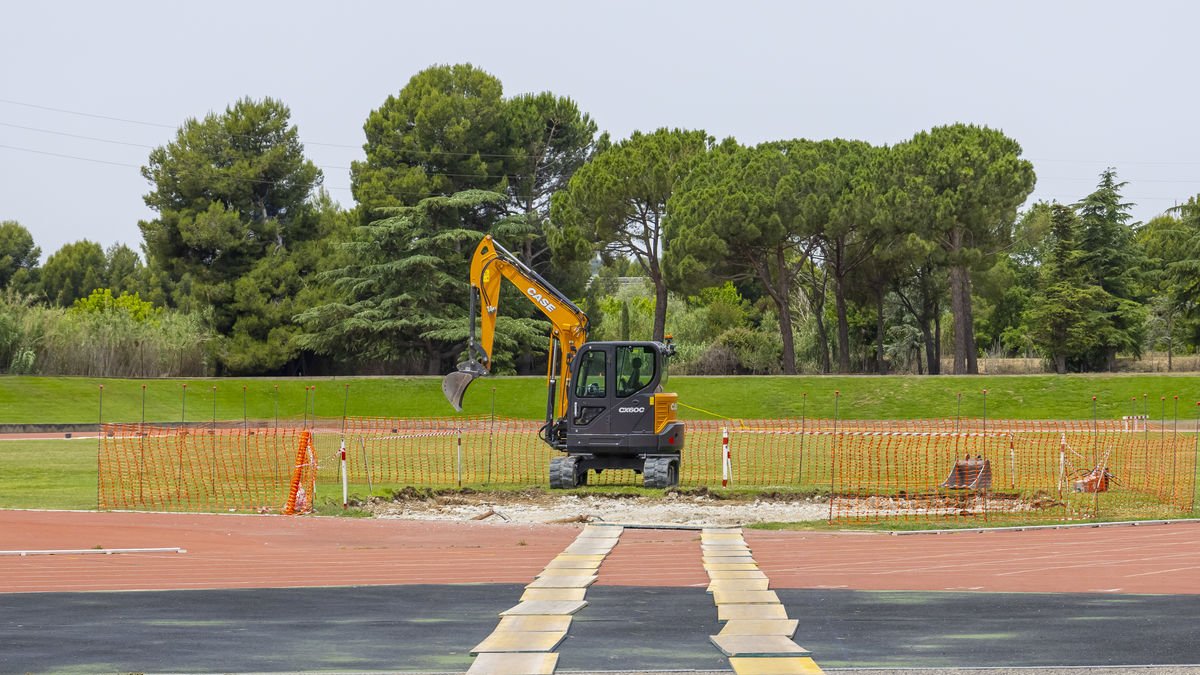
[194,468]
[1033,471]
[872,470]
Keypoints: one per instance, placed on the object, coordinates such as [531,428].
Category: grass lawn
[27,400]
[59,474]
[62,473]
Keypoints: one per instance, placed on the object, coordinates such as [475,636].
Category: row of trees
[828,255]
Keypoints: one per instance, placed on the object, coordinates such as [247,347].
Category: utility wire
[176,126]
[69,135]
[76,157]
[331,167]
[84,114]
[136,166]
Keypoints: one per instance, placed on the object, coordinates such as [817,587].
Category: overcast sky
[88,88]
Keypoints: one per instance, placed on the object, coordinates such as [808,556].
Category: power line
[136,166]
[142,145]
[69,135]
[323,144]
[1116,163]
[1139,180]
[126,120]
[64,156]
[84,114]
[514,155]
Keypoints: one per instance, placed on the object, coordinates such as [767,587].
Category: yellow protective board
[732,612]
[757,645]
[558,564]
[553,594]
[514,642]
[716,536]
[731,567]
[579,557]
[555,581]
[736,574]
[542,607]
[779,665]
[535,624]
[739,584]
[588,549]
[728,559]
[784,627]
[604,533]
[514,664]
[567,572]
[722,597]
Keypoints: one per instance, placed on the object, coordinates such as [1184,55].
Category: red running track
[227,551]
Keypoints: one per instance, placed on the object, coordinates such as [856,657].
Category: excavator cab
[618,416]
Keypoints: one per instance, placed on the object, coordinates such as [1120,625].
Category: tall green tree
[617,204]
[920,286]
[960,187]
[1112,260]
[123,270]
[550,139]
[280,286]
[401,296]
[839,204]
[1064,318]
[230,190]
[1172,243]
[444,132]
[18,254]
[731,218]
[73,272]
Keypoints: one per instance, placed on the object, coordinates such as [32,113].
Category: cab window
[591,380]
[635,369]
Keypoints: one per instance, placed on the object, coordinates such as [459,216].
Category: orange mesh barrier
[1036,471]
[929,470]
[194,468]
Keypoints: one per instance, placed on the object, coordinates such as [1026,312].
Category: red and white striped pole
[345,479]
[726,459]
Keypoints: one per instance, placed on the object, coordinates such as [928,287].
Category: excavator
[605,407]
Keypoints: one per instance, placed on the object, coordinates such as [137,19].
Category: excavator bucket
[970,474]
[454,385]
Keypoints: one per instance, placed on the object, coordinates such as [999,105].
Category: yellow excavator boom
[569,324]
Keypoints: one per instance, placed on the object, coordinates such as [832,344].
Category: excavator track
[661,472]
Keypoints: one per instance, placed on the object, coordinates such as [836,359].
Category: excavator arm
[569,325]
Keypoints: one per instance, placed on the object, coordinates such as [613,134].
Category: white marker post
[345,479]
[726,459]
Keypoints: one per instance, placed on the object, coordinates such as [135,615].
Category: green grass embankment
[62,473]
[75,400]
